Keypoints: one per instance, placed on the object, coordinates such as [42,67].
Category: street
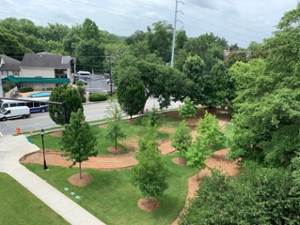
[93,111]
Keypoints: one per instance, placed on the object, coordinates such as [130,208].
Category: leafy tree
[209,130]
[181,39]
[257,196]
[153,116]
[90,55]
[188,109]
[267,123]
[235,57]
[114,129]
[160,39]
[197,154]
[89,30]
[222,85]
[150,172]
[149,137]
[131,92]
[194,70]
[70,96]
[182,139]
[77,141]
[254,46]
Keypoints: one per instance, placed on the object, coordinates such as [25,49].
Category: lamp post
[42,134]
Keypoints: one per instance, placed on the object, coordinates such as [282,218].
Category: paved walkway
[12,148]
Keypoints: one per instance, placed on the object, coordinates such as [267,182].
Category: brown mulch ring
[103,126]
[179,161]
[77,181]
[148,205]
[56,134]
[117,150]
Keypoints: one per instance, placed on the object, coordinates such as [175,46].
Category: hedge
[94,97]
[25,89]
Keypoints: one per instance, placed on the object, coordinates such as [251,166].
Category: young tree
[209,130]
[78,142]
[149,136]
[70,96]
[150,172]
[188,109]
[131,92]
[197,154]
[114,129]
[152,117]
[182,139]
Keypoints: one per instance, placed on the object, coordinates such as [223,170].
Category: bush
[83,99]
[94,97]
[7,86]
[25,89]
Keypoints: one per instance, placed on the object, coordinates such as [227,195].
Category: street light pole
[42,134]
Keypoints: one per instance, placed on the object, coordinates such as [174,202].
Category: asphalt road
[37,121]
[97,83]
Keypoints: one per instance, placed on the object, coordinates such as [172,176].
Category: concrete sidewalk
[12,148]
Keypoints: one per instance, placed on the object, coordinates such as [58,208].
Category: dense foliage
[131,92]
[70,96]
[258,196]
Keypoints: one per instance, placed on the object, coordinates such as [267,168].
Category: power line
[223,19]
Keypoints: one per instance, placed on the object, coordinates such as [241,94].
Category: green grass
[19,206]
[131,130]
[113,199]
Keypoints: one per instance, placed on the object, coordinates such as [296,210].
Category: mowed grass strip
[20,206]
[113,199]
[131,130]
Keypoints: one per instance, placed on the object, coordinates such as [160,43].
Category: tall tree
[160,39]
[222,86]
[194,70]
[77,141]
[131,92]
[70,96]
[89,30]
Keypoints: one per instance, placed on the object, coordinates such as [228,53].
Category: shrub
[7,86]
[25,89]
[83,99]
[94,97]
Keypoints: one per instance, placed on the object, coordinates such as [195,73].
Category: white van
[14,112]
[83,74]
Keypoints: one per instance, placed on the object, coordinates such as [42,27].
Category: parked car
[14,112]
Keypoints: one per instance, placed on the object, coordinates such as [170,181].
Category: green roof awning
[37,80]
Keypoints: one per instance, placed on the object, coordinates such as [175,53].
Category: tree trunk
[80,170]
[197,176]
[116,140]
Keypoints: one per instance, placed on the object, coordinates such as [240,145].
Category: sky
[238,21]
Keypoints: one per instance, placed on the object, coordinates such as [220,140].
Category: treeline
[90,45]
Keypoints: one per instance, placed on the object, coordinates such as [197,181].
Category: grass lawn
[113,199]
[20,206]
[131,130]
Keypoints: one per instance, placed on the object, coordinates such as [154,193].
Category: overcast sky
[238,21]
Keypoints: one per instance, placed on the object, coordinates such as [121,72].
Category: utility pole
[109,61]
[174,34]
